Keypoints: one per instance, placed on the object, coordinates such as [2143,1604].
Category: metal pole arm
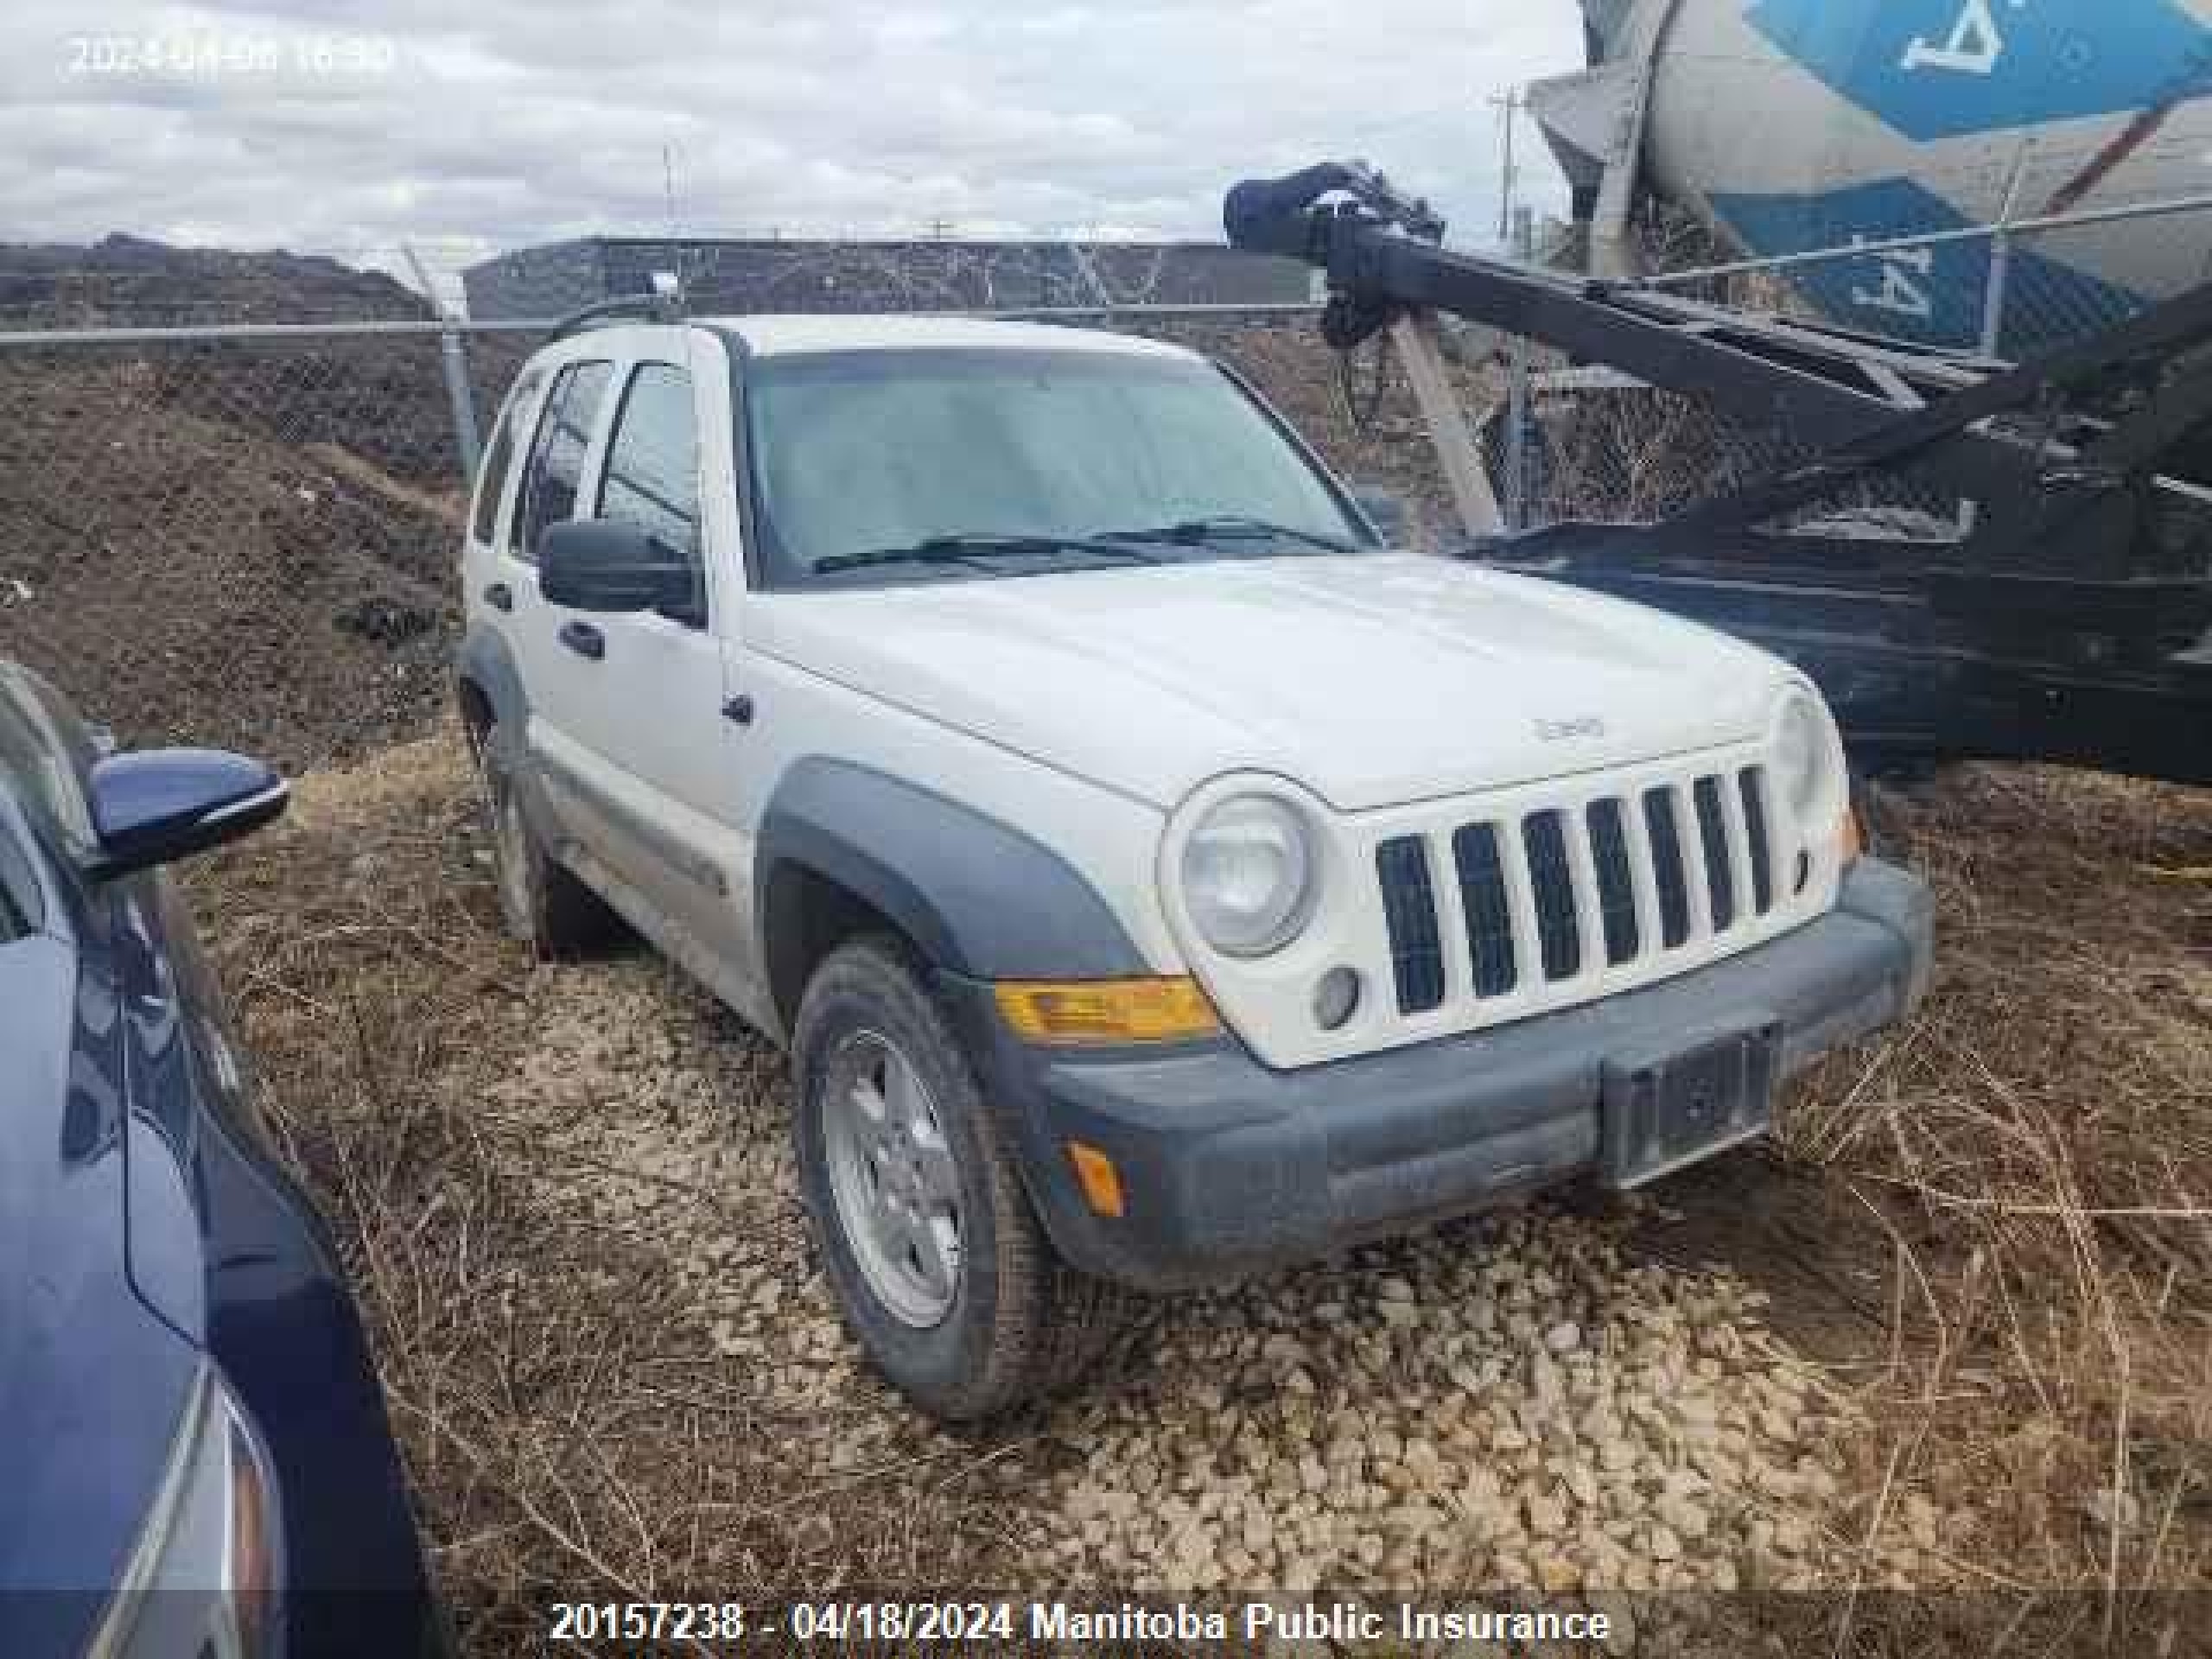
[1864,404]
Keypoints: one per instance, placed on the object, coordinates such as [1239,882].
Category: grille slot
[1489,912]
[1551,883]
[1754,782]
[1667,867]
[1409,913]
[1615,881]
[1712,836]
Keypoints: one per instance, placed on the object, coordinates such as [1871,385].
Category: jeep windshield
[971,464]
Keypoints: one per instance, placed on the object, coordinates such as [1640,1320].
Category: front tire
[942,1270]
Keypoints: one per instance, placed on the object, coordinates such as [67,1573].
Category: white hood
[1374,680]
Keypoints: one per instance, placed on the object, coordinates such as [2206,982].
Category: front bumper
[1231,1168]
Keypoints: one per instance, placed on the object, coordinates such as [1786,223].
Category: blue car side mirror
[159,805]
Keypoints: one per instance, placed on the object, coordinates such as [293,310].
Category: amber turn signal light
[1100,1181]
[1104,1012]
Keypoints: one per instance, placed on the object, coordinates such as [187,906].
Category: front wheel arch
[805,917]
[975,896]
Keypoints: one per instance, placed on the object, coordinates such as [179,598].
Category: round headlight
[1801,755]
[1248,875]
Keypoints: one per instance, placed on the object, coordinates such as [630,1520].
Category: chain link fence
[1594,445]
[245,539]
[1569,440]
[245,532]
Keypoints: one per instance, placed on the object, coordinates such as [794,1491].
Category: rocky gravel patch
[1504,1403]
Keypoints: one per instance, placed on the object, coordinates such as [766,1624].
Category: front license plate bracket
[1679,1103]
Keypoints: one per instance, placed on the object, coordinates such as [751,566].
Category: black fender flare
[978,898]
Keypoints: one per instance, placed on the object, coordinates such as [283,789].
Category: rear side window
[652,478]
[491,477]
[556,458]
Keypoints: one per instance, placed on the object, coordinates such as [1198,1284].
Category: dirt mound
[131,282]
[383,399]
[241,543]
[188,579]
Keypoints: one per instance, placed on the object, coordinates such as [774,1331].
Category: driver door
[638,727]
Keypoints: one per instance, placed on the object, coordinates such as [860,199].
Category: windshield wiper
[975,547]
[1231,527]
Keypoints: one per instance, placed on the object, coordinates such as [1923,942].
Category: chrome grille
[1529,906]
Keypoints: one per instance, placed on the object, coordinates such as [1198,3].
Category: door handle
[500,596]
[584,639]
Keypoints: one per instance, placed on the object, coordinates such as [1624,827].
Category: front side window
[859,453]
[652,477]
[556,458]
[492,476]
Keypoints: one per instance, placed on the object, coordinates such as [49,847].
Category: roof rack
[624,307]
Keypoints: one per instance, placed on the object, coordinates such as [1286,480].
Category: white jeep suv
[1154,878]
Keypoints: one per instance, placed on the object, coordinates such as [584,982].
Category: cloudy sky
[464,125]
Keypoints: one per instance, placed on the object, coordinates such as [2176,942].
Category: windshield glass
[942,454]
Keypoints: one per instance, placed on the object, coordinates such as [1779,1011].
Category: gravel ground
[1496,1403]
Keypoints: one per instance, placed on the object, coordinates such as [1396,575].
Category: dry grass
[2005,1204]
[570,1425]
[2031,1166]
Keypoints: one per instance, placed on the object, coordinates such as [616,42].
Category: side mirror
[159,805]
[1386,510]
[595,565]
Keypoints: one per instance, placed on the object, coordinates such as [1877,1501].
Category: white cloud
[500,122]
